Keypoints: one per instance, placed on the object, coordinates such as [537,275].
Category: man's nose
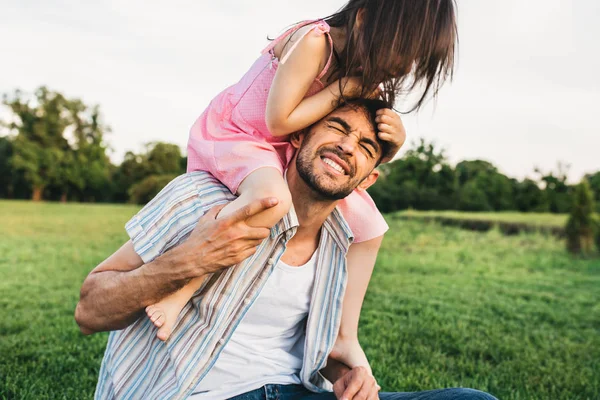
[347,144]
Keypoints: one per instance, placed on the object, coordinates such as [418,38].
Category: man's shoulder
[171,215]
[197,182]
[191,186]
[199,190]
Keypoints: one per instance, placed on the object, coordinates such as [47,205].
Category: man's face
[339,153]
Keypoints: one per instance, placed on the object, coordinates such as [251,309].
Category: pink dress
[230,139]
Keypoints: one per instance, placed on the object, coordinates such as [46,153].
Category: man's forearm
[116,292]
[112,300]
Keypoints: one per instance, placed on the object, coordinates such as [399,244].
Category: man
[263,328]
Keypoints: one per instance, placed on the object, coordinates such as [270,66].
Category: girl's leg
[360,262]
[164,313]
[263,182]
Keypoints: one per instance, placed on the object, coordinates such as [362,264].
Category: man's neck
[310,210]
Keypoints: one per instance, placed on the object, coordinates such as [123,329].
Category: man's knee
[469,394]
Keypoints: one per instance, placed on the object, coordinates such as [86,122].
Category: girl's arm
[361,261]
[288,110]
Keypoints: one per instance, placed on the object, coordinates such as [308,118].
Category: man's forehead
[358,119]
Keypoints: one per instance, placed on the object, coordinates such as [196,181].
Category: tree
[472,197]
[483,188]
[422,179]
[41,153]
[68,173]
[6,176]
[133,169]
[159,159]
[529,197]
[90,152]
[594,180]
[556,188]
[582,222]
[39,124]
[164,158]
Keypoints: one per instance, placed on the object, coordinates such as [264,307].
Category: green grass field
[512,315]
[536,219]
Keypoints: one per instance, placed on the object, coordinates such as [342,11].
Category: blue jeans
[299,392]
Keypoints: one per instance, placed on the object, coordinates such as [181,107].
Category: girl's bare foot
[164,315]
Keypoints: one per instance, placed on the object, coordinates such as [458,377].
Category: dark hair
[370,107]
[400,44]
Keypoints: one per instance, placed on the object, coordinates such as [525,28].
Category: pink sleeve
[363,217]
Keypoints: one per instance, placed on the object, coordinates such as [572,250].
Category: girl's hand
[356,384]
[352,88]
[390,129]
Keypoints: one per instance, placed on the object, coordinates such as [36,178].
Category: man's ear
[369,180]
[297,138]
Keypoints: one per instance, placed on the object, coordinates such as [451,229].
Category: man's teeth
[334,165]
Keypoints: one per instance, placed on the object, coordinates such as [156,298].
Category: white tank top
[268,345]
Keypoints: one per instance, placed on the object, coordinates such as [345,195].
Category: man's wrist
[182,263]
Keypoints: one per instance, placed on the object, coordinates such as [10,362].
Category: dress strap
[285,34]
[326,68]
[319,25]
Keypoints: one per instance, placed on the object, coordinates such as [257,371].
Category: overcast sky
[526,91]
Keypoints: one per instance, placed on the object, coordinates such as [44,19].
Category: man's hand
[215,244]
[390,129]
[356,384]
[116,292]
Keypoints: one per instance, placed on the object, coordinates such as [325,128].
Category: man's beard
[304,165]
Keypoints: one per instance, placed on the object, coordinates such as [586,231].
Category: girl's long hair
[398,45]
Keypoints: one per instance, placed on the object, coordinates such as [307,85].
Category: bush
[144,191]
[597,230]
[581,227]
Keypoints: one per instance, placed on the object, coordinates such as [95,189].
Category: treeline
[423,179]
[54,148]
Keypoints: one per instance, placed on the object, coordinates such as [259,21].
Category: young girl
[369,46]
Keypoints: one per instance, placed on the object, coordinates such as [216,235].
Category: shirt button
[246,301]
[271,261]
[221,341]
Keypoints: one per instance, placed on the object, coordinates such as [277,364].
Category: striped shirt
[138,365]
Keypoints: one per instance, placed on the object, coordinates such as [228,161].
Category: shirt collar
[339,229]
